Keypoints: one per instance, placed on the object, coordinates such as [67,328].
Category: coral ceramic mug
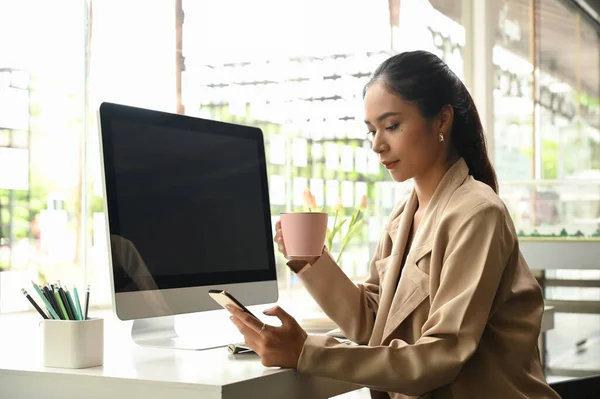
[304,232]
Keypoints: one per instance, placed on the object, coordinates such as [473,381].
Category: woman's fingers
[281,247]
[247,319]
[278,239]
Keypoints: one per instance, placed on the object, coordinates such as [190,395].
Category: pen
[35,305]
[57,301]
[52,301]
[77,303]
[87,303]
[52,294]
[72,305]
[61,306]
[65,302]
[48,305]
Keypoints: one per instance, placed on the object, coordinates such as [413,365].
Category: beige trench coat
[463,319]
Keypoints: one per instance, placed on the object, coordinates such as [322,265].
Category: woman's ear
[445,119]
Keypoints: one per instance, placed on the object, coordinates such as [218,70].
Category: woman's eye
[392,127]
[371,133]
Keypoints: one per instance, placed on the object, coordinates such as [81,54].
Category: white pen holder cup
[72,344]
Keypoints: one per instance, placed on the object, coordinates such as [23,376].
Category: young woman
[450,309]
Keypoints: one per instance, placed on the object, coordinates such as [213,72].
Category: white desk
[130,371]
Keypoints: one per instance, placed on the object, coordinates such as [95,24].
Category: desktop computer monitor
[188,210]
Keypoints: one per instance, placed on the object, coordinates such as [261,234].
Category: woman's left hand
[276,346]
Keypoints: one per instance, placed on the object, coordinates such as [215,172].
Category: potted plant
[338,235]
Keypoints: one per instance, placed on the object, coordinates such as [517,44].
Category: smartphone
[225,298]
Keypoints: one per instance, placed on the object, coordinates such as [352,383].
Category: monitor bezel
[112,111]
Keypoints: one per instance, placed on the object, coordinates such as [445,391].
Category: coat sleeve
[351,306]
[474,261]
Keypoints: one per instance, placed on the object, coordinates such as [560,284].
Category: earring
[441,137]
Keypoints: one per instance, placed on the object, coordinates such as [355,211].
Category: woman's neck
[426,184]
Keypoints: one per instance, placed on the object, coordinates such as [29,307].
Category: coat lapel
[413,288]
[398,229]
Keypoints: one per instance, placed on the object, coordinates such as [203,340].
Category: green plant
[561,235]
[96,204]
[355,222]
[563,232]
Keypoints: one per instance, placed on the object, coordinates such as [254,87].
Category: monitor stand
[159,332]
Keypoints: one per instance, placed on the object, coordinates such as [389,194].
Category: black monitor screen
[187,200]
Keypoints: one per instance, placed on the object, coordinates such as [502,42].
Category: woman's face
[405,141]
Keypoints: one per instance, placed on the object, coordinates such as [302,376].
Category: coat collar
[392,301]
[454,178]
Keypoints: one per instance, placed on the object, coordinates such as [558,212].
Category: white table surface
[130,371]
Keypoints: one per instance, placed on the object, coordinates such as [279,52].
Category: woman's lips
[390,165]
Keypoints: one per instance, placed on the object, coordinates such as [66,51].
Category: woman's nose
[379,145]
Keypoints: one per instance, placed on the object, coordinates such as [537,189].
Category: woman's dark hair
[425,80]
